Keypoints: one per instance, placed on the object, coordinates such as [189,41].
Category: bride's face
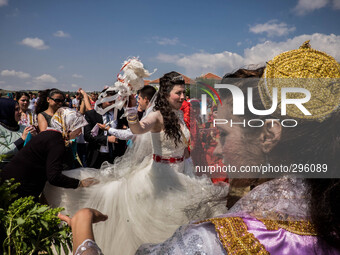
[177,96]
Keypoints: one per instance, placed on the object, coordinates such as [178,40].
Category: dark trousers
[101,157]
[82,152]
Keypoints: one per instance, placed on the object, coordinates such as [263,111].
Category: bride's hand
[88,182]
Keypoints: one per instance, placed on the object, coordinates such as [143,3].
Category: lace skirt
[145,205]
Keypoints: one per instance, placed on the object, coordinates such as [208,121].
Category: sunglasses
[57,100]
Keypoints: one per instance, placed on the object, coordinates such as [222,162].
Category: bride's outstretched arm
[152,122]
[149,123]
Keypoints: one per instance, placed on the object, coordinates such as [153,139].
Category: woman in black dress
[41,159]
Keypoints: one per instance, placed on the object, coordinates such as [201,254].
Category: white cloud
[166,41]
[169,58]
[2,82]
[77,76]
[74,86]
[239,43]
[14,73]
[336,4]
[224,62]
[45,78]
[267,50]
[305,6]
[61,67]
[3,2]
[61,33]
[203,62]
[272,28]
[35,43]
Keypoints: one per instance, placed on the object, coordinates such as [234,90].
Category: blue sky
[79,43]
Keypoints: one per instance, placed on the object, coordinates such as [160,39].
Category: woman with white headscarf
[41,159]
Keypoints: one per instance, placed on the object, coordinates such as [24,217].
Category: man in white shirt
[75,101]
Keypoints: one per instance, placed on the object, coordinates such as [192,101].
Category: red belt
[167,160]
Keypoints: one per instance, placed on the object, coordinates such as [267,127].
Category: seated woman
[286,215]
[12,135]
[41,159]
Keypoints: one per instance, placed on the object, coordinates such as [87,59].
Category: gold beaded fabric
[305,228]
[235,238]
[303,68]
[233,234]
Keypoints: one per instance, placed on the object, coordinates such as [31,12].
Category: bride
[152,190]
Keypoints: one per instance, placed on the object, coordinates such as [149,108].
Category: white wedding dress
[146,201]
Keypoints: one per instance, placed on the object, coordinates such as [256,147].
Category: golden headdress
[304,68]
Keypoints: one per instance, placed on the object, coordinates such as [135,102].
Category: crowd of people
[36,115]
[134,166]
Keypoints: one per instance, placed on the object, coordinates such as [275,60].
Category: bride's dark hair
[172,128]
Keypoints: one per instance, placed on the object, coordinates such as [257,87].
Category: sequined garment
[88,247]
[271,219]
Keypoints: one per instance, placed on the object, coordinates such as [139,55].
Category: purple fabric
[284,242]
